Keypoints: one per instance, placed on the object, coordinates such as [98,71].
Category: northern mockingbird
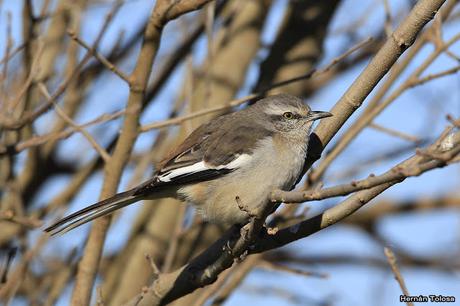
[245,154]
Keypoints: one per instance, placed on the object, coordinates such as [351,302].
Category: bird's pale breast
[272,166]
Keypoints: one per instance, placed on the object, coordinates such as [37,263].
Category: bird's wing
[213,150]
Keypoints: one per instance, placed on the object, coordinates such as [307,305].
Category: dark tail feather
[94,211]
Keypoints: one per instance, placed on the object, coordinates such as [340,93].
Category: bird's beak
[315,115]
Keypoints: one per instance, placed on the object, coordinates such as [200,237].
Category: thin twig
[30,116]
[28,222]
[239,101]
[179,120]
[105,156]
[341,57]
[9,56]
[153,266]
[41,139]
[394,267]
[30,78]
[283,268]
[410,167]
[99,57]
[4,75]
[394,132]
[433,76]
[367,117]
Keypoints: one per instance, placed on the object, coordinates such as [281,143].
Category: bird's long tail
[94,211]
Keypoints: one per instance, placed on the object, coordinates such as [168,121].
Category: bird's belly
[252,187]
[223,206]
[272,167]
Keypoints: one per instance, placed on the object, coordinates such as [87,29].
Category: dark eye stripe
[280,117]
[290,115]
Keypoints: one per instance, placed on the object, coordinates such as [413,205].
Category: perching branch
[396,174]
[444,150]
[205,268]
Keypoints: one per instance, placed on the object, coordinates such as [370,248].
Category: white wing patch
[203,166]
[197,167]
[236,163]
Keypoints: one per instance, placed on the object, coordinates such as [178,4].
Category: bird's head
[288,114]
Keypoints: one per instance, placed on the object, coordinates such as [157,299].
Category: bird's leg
[246,230]
[251,230]
[245,208]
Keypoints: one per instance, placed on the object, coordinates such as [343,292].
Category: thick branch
[205,268]
[113,169]
[438,157]
[403,37]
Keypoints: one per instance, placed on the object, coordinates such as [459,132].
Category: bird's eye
[288,115]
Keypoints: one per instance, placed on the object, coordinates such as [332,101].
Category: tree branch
[402,38]
[87,269]
[439,157]
[396,174]
[205,268]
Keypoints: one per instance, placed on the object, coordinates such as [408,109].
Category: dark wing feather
[216,143]
[239,139]
[188,152]
[93,211]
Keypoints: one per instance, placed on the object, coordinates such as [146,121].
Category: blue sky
[419,111]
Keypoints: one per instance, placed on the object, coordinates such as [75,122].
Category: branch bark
[205,268]
[161,14]
[401,39]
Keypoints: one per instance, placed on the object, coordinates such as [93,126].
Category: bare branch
[410,167]
[105,156]
[239,101]
[161,13]
[394,267]
[171,286]
[99,57]
[402,38]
